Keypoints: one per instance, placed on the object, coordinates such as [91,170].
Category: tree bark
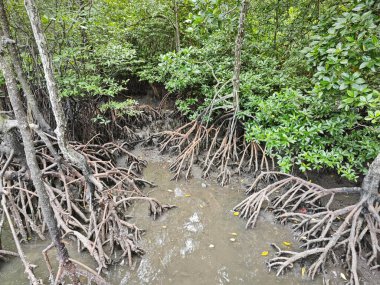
[238,49]
[371,182]
[68,152]
[277,12]
[30,153]
[31,101]
[177,34]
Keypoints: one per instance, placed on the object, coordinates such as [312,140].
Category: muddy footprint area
[199,242]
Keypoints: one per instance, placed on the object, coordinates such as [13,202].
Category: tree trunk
[31,101]
[68,152]
[177,34]
[238,49]
[318,4]
[371,182]
[277,12]
[30,153]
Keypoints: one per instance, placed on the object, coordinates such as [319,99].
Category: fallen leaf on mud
[236,213]
[170,190]
[343,276]
[303,271]
[264,253]
[286,243]
[187,195]
[211,246]
[232,239]
[164,227]
[234,234]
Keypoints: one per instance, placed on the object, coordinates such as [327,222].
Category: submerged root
[339,235]
[219,148]
[97,219]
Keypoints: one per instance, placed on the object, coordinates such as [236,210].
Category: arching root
[219,148]
[98,222]
[342,236]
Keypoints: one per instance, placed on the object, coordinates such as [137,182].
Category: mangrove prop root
[225,151]
[97,221]
[351,232]
[28,268]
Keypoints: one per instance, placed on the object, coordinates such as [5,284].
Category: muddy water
[200,242]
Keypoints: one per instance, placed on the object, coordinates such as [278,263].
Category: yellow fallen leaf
[264,253]
[234,234]
[303,271]
[187,195]
[343,276]
[236,213]
[286,243]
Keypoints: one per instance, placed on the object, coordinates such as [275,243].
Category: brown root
[221,146]
[342,236]
[97,222]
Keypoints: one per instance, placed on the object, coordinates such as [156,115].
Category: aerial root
[218,148]
[326,234]
[72,269]
[97,221]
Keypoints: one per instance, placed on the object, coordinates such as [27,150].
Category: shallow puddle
[199,242]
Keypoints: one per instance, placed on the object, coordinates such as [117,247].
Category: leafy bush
[292,129]
[307,108]
[91,71]
[346,54]
[334,125]
[122,108]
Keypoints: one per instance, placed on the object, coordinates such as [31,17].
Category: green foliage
[186,107]
[290,125]
[309,84]
[306,107]
[333,126]
[346,53]
[182,70]
[101,120]
[91,71]
[121,109]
